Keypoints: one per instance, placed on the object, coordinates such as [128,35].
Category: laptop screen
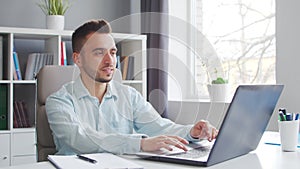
[245,121]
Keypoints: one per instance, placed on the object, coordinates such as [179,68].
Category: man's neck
[96,89]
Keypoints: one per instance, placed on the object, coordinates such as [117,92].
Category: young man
[96,114]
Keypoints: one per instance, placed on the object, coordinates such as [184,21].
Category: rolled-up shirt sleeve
[148,121]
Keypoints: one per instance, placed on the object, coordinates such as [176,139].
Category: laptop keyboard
[193,153]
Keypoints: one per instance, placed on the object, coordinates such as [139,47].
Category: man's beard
[97,78]
[102,80]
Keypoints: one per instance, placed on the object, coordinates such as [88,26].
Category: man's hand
[156,143]
[204,130]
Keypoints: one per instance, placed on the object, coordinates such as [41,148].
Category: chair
[50,79]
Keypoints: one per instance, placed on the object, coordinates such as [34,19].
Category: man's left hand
[204,130]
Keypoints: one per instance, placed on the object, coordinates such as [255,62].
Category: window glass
[234,39]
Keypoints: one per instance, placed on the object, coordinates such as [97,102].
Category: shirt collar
[81,91]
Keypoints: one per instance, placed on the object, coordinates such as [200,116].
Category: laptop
[242,128]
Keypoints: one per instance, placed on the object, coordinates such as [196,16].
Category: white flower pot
[219,92]
[56,22]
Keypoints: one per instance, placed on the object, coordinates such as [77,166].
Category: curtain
[155,25]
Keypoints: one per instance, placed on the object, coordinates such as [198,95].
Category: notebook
[100,160]
[242,128]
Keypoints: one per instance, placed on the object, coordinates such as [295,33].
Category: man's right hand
[158,142]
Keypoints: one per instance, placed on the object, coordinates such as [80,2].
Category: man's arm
[163,132]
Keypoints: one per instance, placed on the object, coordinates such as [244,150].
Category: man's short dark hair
[79,35]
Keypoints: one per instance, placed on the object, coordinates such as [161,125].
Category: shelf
[5,132]
[24,82]
[34,32]
[23,130]
[4,81]
[20,96]
[131,81]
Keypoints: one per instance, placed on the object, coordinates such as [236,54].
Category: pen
[283,110]
[297,116]
[289,117]
[281,116]
[277,144]
[86,159]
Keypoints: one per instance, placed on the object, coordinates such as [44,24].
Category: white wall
[189,112]
[288,54]
[25,13]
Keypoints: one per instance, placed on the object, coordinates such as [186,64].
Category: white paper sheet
[104,161]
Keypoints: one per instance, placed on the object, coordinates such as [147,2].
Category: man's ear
[77,58]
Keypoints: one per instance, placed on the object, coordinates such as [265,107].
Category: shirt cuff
[191,139]
[135,141]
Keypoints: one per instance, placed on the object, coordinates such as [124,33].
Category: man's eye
[98,53]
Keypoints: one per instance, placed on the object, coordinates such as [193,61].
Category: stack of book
[35,62]
[20,115]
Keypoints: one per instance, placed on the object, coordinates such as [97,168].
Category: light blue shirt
[80,124]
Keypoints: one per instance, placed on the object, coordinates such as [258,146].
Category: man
[96,114]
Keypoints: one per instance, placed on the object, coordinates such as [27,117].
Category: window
[234,39]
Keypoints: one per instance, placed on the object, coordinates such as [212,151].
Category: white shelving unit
[18,145]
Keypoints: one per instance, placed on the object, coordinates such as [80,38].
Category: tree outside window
[242,33]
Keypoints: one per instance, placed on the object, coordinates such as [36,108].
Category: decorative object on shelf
[56,22]
[55,10]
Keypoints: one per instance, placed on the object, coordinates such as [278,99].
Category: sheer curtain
[155,26]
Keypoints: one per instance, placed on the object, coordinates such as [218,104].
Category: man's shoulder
[62,92]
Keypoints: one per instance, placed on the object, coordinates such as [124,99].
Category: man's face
[98,57]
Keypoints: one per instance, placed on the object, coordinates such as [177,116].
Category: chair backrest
[49,79]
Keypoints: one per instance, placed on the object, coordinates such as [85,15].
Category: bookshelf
[17,137]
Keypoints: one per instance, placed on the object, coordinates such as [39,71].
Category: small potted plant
[219,89]
[54,10]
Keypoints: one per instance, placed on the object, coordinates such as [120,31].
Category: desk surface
[264,157]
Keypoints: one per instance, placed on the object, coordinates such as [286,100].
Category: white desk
[264,157]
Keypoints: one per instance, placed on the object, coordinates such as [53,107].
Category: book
[17,116]
[3,107]
[17,65]
[30,66]
[6,59]
[20,117]
[124,65]
[1,58]
[63,59]
[103,160]
[23,113]
[35,62]
[118,65]
[69,52]
[130,68]
[15,77]
[25,109]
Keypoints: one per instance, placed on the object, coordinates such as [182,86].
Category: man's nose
[108,58]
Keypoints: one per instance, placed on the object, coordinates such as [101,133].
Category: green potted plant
[54,11]
[219,80]
[219,89]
